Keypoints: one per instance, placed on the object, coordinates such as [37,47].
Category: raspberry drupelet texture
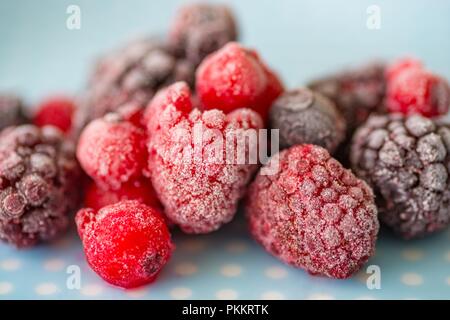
[235,77]
[132,74]
[141,190]
[200,29]
[56,111]
[310,212]
[199,162]
[127,243]
[357,93]
[11,110]
[303,116]
[406,160]
[413,89]
[39,184]
[112,151]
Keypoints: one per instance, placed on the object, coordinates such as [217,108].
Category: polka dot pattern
[226,294]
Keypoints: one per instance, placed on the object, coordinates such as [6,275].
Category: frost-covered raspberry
[310,212]
[357,92]
[413,89]
[39,184]
[132,74]
[406,160]
[235,77]
[56,111]
[127,243]
[201,28]
[197,181]
[141,190]
[303,116]
[112,151]
[11,110]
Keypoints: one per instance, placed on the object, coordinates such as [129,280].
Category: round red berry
[55,111]
[309,211]
[127,243]
[235,77]
[412,89]
[112,151]
[141,190]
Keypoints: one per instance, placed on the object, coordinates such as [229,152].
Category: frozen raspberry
[11,110]
[303,116]
[132,74]
[416,90]
[399,66]
[127,243]
[406,160]
[141,190]
[112,151]
[39,184]
[199,163]
[200,29]
[55,111]
[310,212]
[235,77]
[357,93]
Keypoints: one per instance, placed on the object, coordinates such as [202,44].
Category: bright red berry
[199,188]
[112,151]
[55,111]
[235,77]
[413,89]
[127,243]
[306,209]
[399,66]
[141,190]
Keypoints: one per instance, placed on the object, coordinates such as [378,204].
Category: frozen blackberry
[303,116]
[38,184]
[357,93]
[132,74]
[11,110]
[406,159]
[200,29]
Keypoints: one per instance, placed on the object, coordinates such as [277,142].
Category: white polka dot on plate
[236,247]
[54,265]
[231,270]
[193,245]
[412,279]
[447,256]
[10,264]
[412,254]
[91,290]
[181,293]
[320,296]
[5,288]
[272,295]
[276,272]
[45,289]
[137,293]
[185,268]
[448,281]
[226,294]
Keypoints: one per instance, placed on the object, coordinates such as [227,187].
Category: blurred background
[300,39]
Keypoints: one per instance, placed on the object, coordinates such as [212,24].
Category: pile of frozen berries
[163,138]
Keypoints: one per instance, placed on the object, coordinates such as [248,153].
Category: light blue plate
[301,39]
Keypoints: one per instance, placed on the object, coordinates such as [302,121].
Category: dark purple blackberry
[303,116]
[200,29]
[407,161]
[39,184]
[132,74]
[11,110]
[357,93]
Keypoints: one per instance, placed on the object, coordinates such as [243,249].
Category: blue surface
[301,39]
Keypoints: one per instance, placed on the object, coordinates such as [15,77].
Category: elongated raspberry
[127,243]
[39,184]
[310,212]
[406,161]
[196,181]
